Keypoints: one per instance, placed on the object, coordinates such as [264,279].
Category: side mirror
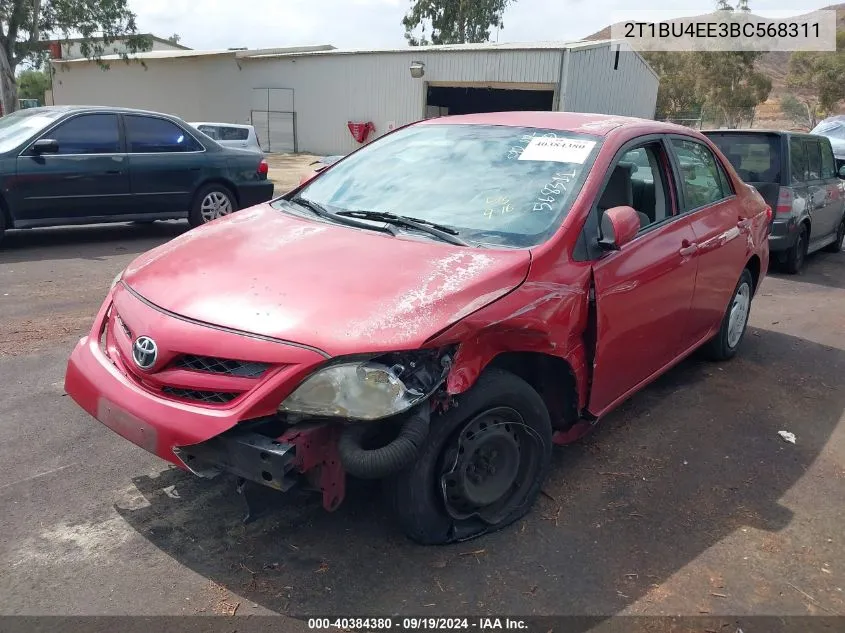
[619,225]
[45,146]
[842,171]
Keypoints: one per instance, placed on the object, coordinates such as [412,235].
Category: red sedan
[436,310]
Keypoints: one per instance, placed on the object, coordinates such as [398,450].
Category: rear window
[755,157]
[224,133]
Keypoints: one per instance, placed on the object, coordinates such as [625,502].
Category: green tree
[677,95]
[452,21]
[731,87]
[803,112]
[818,78]
[175,38]
[24,24]
[32,84]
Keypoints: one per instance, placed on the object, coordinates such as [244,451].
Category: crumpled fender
[548,317]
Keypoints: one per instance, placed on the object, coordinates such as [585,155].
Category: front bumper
[253,193]
[137,405]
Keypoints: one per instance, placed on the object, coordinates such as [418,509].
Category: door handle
[688,248]
[114,171]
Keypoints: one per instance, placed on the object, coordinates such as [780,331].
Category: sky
[219,24]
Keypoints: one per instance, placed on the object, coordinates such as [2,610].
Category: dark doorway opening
[443,100]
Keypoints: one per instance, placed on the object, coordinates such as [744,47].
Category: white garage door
[273,119]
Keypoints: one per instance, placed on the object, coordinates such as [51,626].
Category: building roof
[444,48]
[155,38]
[174,54]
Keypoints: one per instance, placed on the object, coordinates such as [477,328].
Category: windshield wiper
[445,233]
[319,210]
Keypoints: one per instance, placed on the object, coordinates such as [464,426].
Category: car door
[87,177]
[166,164]
[642,291]
[721,231]
[821,207]
[835,204]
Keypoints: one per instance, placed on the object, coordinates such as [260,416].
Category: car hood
[342,290]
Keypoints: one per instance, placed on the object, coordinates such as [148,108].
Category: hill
[774,65]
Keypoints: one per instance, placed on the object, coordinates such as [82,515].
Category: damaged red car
[435,310]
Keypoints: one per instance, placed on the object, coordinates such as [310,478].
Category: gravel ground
[683,501]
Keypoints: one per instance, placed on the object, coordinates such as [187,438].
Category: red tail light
[785,198]
[768,213]
[263,168]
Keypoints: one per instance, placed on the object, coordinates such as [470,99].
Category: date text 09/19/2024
[378,624]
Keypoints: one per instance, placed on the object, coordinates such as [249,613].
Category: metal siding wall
[594,86]
[331,90]
[189,88]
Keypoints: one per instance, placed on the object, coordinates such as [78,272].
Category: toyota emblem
[144,352]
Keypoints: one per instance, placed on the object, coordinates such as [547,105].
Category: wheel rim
[739,314]
[489,466]
[214,205]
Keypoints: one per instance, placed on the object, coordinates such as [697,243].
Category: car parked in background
[231,135]
[797,176]
[83,165]
[834,129]
[508,283]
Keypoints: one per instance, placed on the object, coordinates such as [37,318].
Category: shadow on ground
[86,242]
[821,268]
[674,471]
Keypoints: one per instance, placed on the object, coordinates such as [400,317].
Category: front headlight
[370,389]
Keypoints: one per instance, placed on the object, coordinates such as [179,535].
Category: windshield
[755,157]
[17,127]
[496,185]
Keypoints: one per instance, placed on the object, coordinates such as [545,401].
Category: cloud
[216,24]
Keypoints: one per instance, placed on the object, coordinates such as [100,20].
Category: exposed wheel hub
[488,468]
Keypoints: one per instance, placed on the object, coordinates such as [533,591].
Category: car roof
[759,131]
[97,108]
[237,125]
[578,122]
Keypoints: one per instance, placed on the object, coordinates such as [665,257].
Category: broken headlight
[370,389]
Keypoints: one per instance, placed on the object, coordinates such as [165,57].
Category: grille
[126,330]
[208,364]
[208,397]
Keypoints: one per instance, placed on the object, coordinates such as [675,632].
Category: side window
[153,135]
[828,164]
[797,161]
[210,131]
[727,188]
[88,134]
[233,134]
[701,179]
[638,180]
[814,160]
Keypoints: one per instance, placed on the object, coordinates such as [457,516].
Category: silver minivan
[797,176]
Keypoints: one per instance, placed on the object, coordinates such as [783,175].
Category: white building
[302,99]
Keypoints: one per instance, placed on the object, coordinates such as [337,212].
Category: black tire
[195,216]
[719,347]
[797,255]
[2,224]
[840,237]
[501,411]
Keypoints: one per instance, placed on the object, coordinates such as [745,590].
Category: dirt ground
[683,501]
[287,169]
